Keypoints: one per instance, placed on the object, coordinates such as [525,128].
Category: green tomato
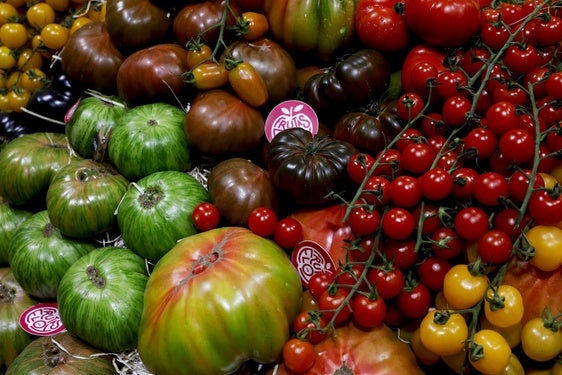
[215,300]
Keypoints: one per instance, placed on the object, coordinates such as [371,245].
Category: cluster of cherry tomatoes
[30,33]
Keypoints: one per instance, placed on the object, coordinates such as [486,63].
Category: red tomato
[388,281]
[309,326]
[519,183]
[262,221]
[521,59]
[334,306]
[405,191]
[553,85]
[368,312]
[205,216]
[409,105]
[494,246]
[398,223]
[358,166]
[376,191]
[482,140]
[402,253]
[463,179]
[288,233]
[501,117]
[436,184]
[417,158]
[444,23]
[446,243]
[471,223]
[455,109]
[414,302]
[319,283]
[381,27]
[364,220]
[490,188]
[545,207]
[432,272]
[298,355]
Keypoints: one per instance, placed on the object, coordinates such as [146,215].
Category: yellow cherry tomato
[40,14]
[248,84]
[33,79]
[540,342]
[209,76]
[254,25]
[549,180]
[443,332]
[514,366]
[54,36]
[490,352]
[7,13]
[463,287]
[4,103]
[198,54]
[18,99]
[29,59]
[7,58]
[78,23]
[547,242]
[512,333]
[13,35]
[503,306]
[556,172]
[13,79]
[59,5]
[422,353]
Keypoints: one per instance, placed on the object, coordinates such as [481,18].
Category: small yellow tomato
[443,332]
[512,333]
[490,352]
[547,242]
[13,35]
[4,103]
[16,3]
[54,36]
[40,14]
[78,23]
[33,79]
[59,5]
[464,287]
[503,306]
[514,366]
[18,99]
[13,79]
[422,353]
[540,342]
[7,58]
[7,13]
[28,59]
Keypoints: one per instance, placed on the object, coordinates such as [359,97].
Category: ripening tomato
[248,84]
[255,25]
[207,76]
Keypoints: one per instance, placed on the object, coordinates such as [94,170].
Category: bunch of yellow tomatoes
[31,32]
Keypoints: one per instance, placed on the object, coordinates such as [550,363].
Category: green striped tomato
[83,196]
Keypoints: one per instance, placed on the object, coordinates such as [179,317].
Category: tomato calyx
[551,322]
[495,300]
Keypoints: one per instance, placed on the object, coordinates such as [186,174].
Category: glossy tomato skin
[161,66]
[381,27]
[135,24]
[448,23]
[90,58]
[321,28]
[197,279]
[308,168]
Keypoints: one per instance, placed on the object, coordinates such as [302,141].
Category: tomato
[402,253]
[381,27]
[541,338]
[546,241]
[482,141]
[389,282]
[368,312]
[521,59]
[417,158]
[7,12]
[309,325]
[432,271]
[363,220]
[54,36]
[389,163]
[414,302]
[205,216]
[495,246]
[13,35]
[288,233]
[398,223]
[511,333]
[471,223]
[409,105]
[503,306]
[263,221]
[553,84]
[254,25]
[436,184]
[7,58]
[40,14]
[405,191]
[501,117]
[464,286]
[451,83]
[422,353]
[510,221]
[376,191]
[298,355]
[490,352]
[208,76]
[446,243]
[18,98]
[430,217]
[33,79]
[545,206]
[319,282]
[443,333]
[59,5]
[519,183]
[445,23]
[359,165]
[494,35]
[29,59]
[454,110]
[198,53]
[248,84]
[334,305]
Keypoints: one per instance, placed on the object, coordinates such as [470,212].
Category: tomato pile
[430,193]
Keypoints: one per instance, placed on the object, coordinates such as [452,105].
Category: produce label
[42,320]
[309,258]
[290,114]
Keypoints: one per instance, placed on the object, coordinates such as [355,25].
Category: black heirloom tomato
[307,167]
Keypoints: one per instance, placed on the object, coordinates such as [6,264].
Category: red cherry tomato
[368,312]
[262,221]
[288,233]
[205,216]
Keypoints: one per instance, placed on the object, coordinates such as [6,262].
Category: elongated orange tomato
[198,55]
[248,84]
[208,76]
[256,25]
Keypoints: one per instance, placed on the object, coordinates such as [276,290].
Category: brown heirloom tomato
[370,130]
[220,123]
[273,63]
[237,186]
[161,67]
[202,19]
[135,24]
[307,167]
[90,58]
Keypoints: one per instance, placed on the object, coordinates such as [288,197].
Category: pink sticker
[71,110]
[42,320]
[290,114]
[310,258]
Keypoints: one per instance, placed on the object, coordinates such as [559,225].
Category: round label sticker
[309,258]
[42,320]
[290,114]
